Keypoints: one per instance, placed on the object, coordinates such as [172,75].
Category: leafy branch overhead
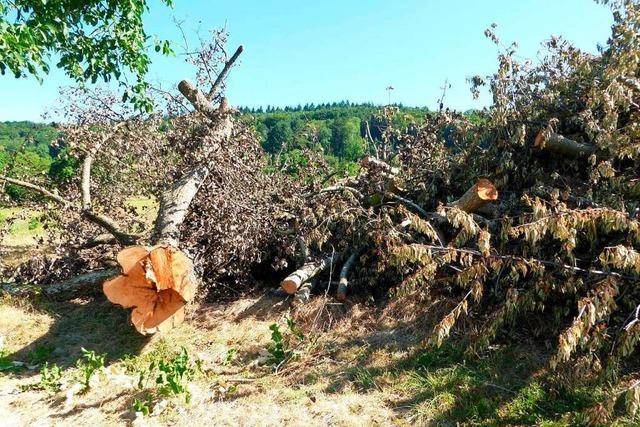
[90,40]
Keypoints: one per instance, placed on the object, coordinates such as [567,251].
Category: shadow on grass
[265,307]
[93,324]
[504,386]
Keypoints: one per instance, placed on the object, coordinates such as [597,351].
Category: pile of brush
[525,215]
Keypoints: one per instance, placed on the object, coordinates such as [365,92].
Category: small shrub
[232,353]
[142,406]
[279,348]
[34,223]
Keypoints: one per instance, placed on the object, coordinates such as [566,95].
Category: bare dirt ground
[315,391]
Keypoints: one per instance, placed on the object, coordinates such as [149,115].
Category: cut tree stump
[477,196]
[156,283]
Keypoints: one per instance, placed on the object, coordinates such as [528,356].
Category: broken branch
[343,285]
[224,72]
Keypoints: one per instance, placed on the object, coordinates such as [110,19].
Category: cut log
[155,282]
[308,271]
[343,285]
[557,143]
[477,196]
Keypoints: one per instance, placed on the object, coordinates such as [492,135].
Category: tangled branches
[557,253]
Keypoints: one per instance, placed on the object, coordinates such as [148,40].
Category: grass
[24,231]
[351,375]
[28,229]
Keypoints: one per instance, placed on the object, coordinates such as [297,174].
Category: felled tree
[217,208]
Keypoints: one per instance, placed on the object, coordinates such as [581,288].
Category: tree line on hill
[337,130]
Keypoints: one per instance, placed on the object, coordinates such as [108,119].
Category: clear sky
[299,52]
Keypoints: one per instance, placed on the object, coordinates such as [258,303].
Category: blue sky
[321,51]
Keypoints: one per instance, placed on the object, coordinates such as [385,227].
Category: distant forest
[337,130]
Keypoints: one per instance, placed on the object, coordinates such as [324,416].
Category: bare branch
[224,72]
[102,220]
[37,189]
[343,285]
[197,99]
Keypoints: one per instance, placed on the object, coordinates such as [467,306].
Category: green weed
[280,348]
[50,377]
[173,376]
[88,365]
[232,353]
[142,406]
[7,365]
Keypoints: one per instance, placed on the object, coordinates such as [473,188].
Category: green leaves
[280,346]
[87,366]
[95,40]
[173,376]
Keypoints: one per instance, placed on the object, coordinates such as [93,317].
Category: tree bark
[197,99]
[87,283]
[477,196]
[176,199]
[557,143]
[308,271]
[174,206]
[303,294]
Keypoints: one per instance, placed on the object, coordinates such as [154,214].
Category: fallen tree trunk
[158,282]
[308,271]
[477,196]
[557,143]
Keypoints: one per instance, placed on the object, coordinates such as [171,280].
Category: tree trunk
[81,285]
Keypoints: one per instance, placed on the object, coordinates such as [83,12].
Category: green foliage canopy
[93,39]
